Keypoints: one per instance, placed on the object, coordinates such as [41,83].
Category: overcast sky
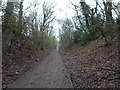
[62,9]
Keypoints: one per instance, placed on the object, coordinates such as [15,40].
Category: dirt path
[48,73]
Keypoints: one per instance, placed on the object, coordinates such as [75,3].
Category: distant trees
[46,19]
[66,34]
[93,22]
[19,25]
[89,23]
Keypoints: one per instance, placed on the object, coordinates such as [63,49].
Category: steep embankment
[94,65]
[21,59]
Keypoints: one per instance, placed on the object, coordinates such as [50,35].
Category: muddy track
[48,73]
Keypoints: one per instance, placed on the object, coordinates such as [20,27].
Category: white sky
[62,10]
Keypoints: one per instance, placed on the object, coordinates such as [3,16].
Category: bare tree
[46,20]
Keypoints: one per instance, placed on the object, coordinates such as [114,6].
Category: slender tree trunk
[19,25]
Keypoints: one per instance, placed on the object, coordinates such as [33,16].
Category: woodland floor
[91,66]
[48,73]
[94,65]
[16,64]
